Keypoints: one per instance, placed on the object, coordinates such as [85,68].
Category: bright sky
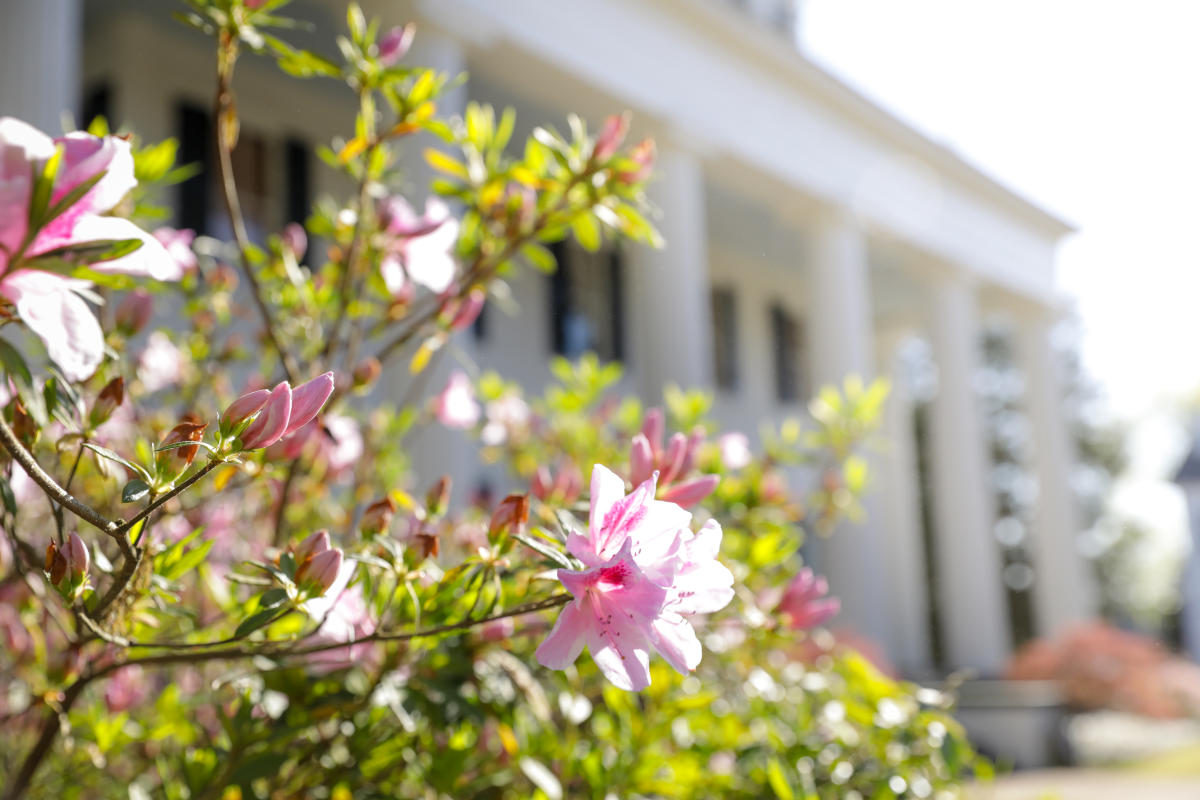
[1088,107]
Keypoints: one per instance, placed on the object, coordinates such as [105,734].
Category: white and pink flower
[645,574]
[50,304]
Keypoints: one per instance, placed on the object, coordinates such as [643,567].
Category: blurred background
[989,204]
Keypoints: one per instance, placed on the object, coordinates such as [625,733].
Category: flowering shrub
[252,598]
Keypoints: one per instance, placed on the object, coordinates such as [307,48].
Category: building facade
[811,236]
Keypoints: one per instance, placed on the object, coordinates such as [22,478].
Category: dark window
[296,171]
[97,102]
[785,341]
[725,337]
[586,302]
[195,147]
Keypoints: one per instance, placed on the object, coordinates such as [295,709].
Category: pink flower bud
[438,496]
[315,543]
[694,443]
[653,427]
[272,420]
[611,136]
[643,155]
[672,460]
[569,483]
[378,517]
[319,572]
[469,310]
[241,410]
[186,431]
[78,559]
[688,493]
[804,604]
[56,564]
[134,311]
[307,400]
[109,399]
[395,43]
[294,239]
[542,483]
[512,513]
[641,460]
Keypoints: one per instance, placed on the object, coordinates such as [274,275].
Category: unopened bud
[673,458]
[469,309]
[512,513]
[109,399]
[24,426]
[426,544]
[438,497]
[78,559]
[367,372]
[652,428]
[315,543]
[688,493]
[542,484]
[643,155]
[641,459]
[611,136]
[235,418]
[134,311]
[378,517]
[569,483]
[56,564]
[186,431]
[395,43]
[319,572]
[294,239]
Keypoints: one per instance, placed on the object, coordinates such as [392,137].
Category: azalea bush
[220,577]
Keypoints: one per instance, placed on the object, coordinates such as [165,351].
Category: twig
[223,112]
[57,493]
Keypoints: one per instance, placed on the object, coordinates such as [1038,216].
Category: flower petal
[676,641]
[52,310]
[562,647]
[622,652]
[150,260]
[307,400]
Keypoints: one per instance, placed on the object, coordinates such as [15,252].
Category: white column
[670,296]
[40,45]
[1065,592]
[973,610]
[908,611]
[842,345]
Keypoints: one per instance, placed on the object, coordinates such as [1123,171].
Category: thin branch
[60,495]
[224,115]
[159,501]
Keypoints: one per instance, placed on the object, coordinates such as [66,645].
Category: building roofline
[758,44]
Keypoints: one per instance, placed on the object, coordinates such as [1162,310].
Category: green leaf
[188,561]
[272,598]
[545,549]
[255,621]
[7,496]
[778,781]
[43,188]
[104,452]
[135,491]
[539,257]
[587,231]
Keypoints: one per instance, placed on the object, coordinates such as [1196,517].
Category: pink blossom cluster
[646,573]
[93,176]
[420,248]
[671,463]
[804,603]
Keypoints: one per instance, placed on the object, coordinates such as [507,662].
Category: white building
[811,234]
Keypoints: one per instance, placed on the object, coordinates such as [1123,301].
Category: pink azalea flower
[284,411]
[178,244]
[345,617]
[804,604]
[645,573]
[126,689]
[423,249]
[50,304]
[161,363]
[455,406]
